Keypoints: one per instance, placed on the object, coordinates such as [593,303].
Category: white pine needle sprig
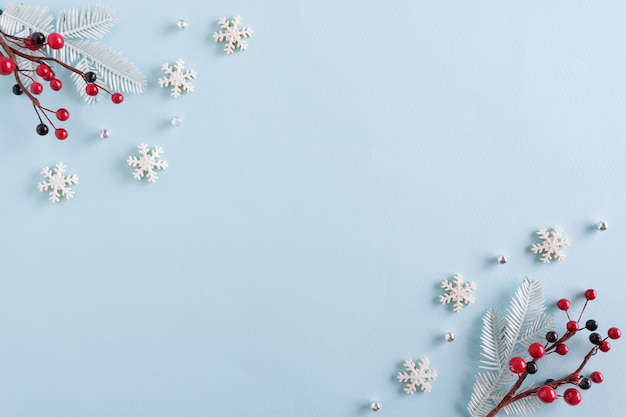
[16,18]
[85,23]
[502,338]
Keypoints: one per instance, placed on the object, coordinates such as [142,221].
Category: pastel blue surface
[322,185]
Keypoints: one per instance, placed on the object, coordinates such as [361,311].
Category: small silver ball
[181,24]
[376,406]
[603,225]
[450,337]
[105,133]
[176,121]
[502,260]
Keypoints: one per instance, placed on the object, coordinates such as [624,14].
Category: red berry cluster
[15,47]
[554,344]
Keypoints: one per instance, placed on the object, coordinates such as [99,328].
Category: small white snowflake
[232,34]
[417,376]
[178,79]
[57,183]
[552,242]
[147,163]
[457,292]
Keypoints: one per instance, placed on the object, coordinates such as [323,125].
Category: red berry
[591,294]
[6,65]
[517,365]
[28,42]
[574,378]
[63,114]
[117,98]
[50,75]
[61,134]
[56,84]
[562,349]
[42,70]
[563,304]
[36,88]
[597,377]
[546,394]
[572,326]
[55,41]
[572,396]
[536,350]
[604,346]
[615,333]
[91,90]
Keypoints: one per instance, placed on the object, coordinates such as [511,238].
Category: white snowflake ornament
[457,292]
[417,376]
[57,183]
[178,79]
[550,245]
[147,163]
[232,34]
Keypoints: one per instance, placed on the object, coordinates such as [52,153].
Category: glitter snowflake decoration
[177,79]
[57,183]
[458,292]
[550,245]
[147,163]
[417,376]
[232,34]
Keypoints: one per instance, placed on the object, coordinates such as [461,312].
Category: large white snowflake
[176,78]
[417,376]
[550,245]
[147,163]
[232,34]
[57,183]
[458,292]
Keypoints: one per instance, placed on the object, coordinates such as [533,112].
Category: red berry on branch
[63,114]
[61,134]
[615,333]
[517,365]
[597,377]
[563,304]
[572,396]
[50,76]
[55,41]
[117,98]
[574,378]
[6,65]
[562,349]
[536,350]
[42,70]
[91,90]
[572,326]
[546,394]
[604,346]
[591,294]
[56,84]
[28,43]
[36,88]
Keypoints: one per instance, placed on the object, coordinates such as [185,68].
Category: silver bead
[502,260]
[376,406]
[603,225]
[176,121]
[181,24]
[104,133]
[450,337]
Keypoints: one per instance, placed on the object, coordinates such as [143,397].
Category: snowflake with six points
[417,376]
[550,245]
[57,183]
[232,34]
[147,163]
[176,78]
[458,292]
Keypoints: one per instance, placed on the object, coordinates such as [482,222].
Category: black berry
[552,336]
[17,90]
[584,383]
[595,338]
[591,325]
[91,77]
[42,129]
[38,38]
[531,368]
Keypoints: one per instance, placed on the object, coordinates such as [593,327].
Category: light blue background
[322,185]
